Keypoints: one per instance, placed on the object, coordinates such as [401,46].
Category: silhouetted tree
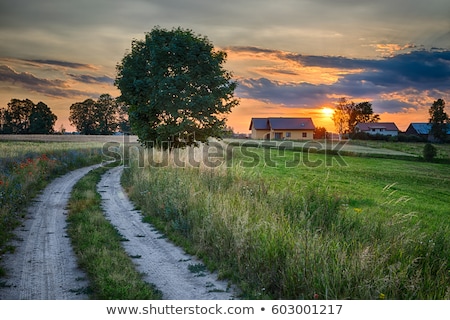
[347,115]
[320,133]
[82,116]
[341,116]
[361,113]
[439,120]
[42,120]
[24,117]
[97,117]
[107,114]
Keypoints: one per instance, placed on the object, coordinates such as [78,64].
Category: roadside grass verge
[25,169]
[416,148]
[304,232]
[97,245]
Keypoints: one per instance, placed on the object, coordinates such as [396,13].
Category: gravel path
[44,266]
[164,264]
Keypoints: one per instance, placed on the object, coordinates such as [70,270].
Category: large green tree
[439,120]
[25,117]
[176,87]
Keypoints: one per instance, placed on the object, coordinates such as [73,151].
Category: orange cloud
[388,49]
[280,66]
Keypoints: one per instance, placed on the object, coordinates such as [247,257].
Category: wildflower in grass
[357,210]
[381,296]
[316,296]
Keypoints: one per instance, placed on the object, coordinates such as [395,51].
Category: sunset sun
[327,111]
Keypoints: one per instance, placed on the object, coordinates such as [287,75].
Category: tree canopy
[347,115]
[175,87]
[104,116]
[25,117]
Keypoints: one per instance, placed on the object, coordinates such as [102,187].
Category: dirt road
[44,265]
[178,275]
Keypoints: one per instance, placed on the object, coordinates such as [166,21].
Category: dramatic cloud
[91,79]
[319,50]
[65,64]
[289,94]
[56,87]
[424,71]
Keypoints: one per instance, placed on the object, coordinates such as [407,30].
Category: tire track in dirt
[44,265]
[162,263]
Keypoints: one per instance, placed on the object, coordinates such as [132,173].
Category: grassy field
[282,224]
[293,225]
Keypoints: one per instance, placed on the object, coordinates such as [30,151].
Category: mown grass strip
[97,245]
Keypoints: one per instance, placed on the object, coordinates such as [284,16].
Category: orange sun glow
[327,111]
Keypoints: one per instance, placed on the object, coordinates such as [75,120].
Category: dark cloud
[56,88]
[420,70]
[7,74]
[391,105]
[330,62]
[291,94]
[91,79]
[255,50]
[65,64]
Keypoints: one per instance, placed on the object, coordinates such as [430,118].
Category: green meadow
[286,224]
[417,188]
[280,224]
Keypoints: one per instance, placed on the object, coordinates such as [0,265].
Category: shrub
[429,152]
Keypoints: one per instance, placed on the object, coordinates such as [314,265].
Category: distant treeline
[26,117]
[92,117]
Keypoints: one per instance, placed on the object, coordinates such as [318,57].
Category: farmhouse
[422,129]
[384,128]
[282,128]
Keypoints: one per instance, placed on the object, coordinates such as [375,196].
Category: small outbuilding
[282,128]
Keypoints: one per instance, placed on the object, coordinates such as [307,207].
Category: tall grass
[300,241]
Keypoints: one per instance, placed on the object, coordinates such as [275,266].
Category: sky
[291,58]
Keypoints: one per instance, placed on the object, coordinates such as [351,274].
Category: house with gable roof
[282,128]
[383,128]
